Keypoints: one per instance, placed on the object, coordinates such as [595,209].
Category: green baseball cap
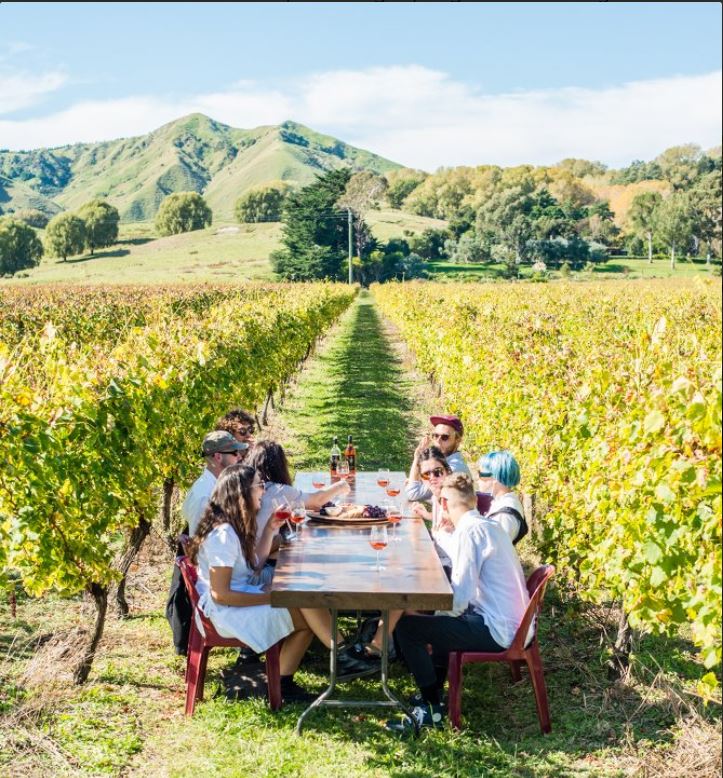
[221,442]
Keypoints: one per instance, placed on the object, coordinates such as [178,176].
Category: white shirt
[222,548]
[272,492]
[197,499]
[487,577]
[510,524]
[443,538]
[419,490]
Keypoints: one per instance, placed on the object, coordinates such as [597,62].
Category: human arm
[222,594]
[268,540]
[316,500]
[471,549]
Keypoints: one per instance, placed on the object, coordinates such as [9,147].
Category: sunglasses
[484,474]
[438,472]
[234,453]
[245,431]
[443,436]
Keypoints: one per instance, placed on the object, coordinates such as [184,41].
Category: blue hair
[503,467]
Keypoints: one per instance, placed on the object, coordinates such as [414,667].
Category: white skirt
[259,626]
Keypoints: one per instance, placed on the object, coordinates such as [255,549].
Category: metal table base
[324,698]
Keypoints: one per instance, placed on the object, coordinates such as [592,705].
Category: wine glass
[282,510]
[383,478]
[394,489]
[298,515]
[378,540]
[343,468]
[318,480]
[394,516]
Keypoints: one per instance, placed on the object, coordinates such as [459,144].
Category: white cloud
[21,90]
[423,118]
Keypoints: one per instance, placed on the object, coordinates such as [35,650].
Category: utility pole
[348,211]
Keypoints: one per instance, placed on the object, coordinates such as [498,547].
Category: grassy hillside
[224,252]
[193,153]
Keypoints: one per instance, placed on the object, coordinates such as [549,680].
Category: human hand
[343,487]
[421,512]
[425,442]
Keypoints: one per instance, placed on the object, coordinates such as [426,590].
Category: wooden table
[333,566]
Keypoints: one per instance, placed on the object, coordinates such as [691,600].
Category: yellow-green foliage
[610,396]
[98,408]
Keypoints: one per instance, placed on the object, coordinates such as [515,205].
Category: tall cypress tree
[314,237]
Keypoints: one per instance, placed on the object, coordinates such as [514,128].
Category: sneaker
[247,656]
[351,663]
[292,692]
[427,717]
[416,700]
[371,651]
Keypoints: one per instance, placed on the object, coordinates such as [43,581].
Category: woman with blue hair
[499,473]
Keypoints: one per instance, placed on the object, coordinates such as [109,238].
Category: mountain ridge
[193,152]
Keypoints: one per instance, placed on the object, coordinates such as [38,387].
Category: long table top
[334,566]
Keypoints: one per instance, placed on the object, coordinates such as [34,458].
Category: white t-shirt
[197,499]
[272,492]
[487,577]
[510,524]
[222,548]
[419,490]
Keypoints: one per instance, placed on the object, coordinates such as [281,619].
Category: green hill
[192,153]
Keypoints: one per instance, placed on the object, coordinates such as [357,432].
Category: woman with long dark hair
[229,552]
[269,459]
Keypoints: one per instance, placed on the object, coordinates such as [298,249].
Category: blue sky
[424,84]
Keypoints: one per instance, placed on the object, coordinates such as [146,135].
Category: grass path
[128,720]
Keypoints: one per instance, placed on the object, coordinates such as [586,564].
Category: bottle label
[351,459]
[334,464]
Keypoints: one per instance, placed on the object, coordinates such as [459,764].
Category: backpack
[179,610]
[524,529]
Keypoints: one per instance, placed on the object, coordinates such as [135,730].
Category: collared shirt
[419,490]
[274,491]
[197,499]
[487,577]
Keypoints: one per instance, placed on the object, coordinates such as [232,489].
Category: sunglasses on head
[438,472]
[484,474]
[443,436]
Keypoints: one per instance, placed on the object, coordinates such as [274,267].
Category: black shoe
[426,716]
[247,656]
[351,664]
[292,692]
[416,701]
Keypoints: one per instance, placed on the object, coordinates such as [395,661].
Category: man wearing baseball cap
[446,435]
[220,449]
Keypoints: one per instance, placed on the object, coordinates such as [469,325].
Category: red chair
[516,655]
[199,646]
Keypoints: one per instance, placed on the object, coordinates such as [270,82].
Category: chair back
[536,585]
[190,576]
[484,502]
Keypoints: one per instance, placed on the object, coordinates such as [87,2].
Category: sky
[423,84]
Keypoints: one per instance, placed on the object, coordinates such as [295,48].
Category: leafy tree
[65,235]
[469,248]
[642,216]
[183,212]
[20,246]
[101,224]
[263,204]
[362,192]
[706,210]
[401,184]
[673,223]
[582,167]
[314,236]
[33,217]
[429,244]
[507,216]
[679,164]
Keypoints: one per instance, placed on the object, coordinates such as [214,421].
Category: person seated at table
[490,599]
[499,473]
[242,425]
[228,552]
[269,459]
[433,469]
[447,436]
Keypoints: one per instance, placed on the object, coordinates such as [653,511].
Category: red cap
[451,421]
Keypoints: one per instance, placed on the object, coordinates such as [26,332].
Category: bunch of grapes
[374,512]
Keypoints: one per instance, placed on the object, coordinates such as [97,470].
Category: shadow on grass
[98,255]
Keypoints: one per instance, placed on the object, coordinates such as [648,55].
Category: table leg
[385,673]
[332,674]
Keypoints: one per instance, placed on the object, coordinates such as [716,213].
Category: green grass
[616,267]
[128,719]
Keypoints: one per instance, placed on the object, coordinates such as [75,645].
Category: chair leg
[195,654]
[202,672]
[534,663]
[273,676]
[194,643]
[454,697]
[515,668]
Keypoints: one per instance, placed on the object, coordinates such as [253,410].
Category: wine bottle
[350,455]
[334,457]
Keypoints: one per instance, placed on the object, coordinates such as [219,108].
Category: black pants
[467,632]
